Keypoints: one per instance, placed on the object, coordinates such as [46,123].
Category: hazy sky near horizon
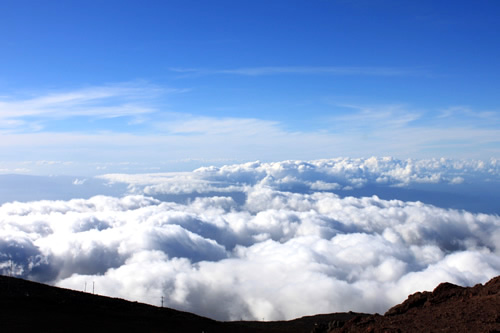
[88,87]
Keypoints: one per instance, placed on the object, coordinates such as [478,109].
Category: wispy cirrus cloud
[304,70]
[106,101]
[461,114]
[246,139]
[403,125]
[389,116]
[54,126]
[212,126]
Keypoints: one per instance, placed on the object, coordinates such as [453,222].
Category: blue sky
[100,86]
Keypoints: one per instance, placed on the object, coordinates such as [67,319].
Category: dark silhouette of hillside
[27,306]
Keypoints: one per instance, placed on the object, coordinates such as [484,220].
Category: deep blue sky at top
[54,43]
[328,66]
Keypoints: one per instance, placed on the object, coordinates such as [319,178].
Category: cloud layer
[258,241]
[462,184]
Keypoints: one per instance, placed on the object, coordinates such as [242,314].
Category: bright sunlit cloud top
[261,240]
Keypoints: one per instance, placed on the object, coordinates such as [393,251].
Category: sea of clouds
[266,240]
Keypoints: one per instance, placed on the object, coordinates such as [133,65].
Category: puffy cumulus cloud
[460,184]
[322,175]
[354,172]
[268,254]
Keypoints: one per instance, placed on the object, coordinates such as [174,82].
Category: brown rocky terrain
[27,306]
[449,308]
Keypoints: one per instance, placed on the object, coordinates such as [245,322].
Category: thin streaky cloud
[102,101]
[467,114]
[219,126]
[269,140]
[304,70]
[375,116]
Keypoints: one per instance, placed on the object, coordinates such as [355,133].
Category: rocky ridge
[448,308]
[27,306]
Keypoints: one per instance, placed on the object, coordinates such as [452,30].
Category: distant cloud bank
[333,173]
[262,240]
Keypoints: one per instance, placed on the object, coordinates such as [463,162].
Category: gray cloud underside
[272,254]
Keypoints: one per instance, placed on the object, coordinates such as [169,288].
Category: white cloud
[79,181]
[325,174]
[274,253]
[92,101]
[29,114]
[225,126]
[361,118]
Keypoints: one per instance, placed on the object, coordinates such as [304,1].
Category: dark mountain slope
[27,306]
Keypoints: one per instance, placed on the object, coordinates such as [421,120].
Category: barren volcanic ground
[27,306]
[449,308]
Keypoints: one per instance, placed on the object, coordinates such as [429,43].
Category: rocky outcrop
[449,308]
